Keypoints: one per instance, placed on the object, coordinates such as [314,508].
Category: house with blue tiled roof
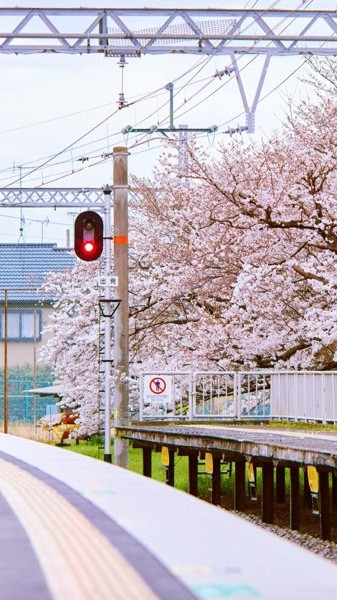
[23,268]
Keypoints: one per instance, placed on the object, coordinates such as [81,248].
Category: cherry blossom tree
[73,341]
[251,275]
[322,75]
[232,267]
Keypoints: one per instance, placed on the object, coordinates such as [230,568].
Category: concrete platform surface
[190,548]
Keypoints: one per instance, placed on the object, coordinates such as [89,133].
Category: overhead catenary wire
[183,104]
[75,147]
[139,142]
[51,158]
[154,93]
[72,145]
[203,62]
[307,3]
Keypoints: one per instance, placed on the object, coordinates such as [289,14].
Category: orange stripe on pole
[121,239]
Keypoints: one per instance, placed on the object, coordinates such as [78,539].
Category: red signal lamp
[88,246]
[88,235]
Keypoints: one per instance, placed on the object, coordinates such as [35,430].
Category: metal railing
[304,395]
[253,391]
[244,395]
[214,394]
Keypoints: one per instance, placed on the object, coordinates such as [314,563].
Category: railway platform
[78,528]
[270,450]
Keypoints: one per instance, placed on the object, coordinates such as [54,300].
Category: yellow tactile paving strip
[77,560]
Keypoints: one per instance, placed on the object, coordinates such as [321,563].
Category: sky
[49,103]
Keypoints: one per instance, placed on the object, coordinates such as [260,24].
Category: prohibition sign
[157,385]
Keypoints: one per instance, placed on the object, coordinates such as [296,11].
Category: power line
[72,145]
[138,142]
[50,159]
[68,147]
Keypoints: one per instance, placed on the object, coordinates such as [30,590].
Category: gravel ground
[323,548]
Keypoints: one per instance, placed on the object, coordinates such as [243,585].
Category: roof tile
[25,266]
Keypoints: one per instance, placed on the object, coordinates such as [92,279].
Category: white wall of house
[25,350]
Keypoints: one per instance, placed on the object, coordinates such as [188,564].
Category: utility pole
[121,316]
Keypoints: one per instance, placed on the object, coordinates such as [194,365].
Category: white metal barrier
[246,395]
[253,392]
[214,394]
[306,395]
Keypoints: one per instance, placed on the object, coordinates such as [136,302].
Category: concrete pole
[121,317]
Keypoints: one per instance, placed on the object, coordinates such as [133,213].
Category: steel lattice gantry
[55,197]
[212,32]
[125,31]
[51,197]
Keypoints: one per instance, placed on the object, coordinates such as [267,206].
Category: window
[22,325]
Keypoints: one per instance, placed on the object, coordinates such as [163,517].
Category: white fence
[248,395]
[310,395]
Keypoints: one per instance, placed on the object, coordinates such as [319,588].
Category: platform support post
[334,491]
[294,498]
[268,492]
[169,472]
[280,485]
[240,485]
[216,481]
[307,502]
[324,501]
[193,474]
[147,461]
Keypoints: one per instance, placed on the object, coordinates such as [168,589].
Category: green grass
[95,449]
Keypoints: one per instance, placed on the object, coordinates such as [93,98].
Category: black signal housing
[88,235]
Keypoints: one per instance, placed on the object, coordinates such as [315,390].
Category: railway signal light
[88,235]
